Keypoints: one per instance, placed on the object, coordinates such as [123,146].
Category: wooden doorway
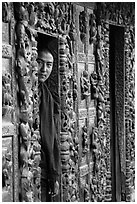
[116,64]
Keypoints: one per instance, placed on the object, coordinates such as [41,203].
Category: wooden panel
[86,105]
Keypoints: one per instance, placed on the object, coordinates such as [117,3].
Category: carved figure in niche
[84,140]
[6,94]
[5,12]
[84,84]
[6,169]
[6,80]
[75,89]
[6,175]
[72,31]
[48,108]
[94,147]
[93,82]
[92,28]
[20,31]
[82,25]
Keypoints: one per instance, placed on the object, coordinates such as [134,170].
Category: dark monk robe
[49,106]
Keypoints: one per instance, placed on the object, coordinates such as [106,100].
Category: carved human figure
[84,84]
[48,108]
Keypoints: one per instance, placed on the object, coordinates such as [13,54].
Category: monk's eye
[40,63]
[49,65]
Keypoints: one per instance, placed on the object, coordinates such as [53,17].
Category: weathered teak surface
[80,34]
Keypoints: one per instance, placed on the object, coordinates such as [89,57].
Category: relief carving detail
[7,98]
[26,73]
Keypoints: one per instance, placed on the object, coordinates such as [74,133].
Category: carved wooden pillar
[26,69]
[9,105]
[86,108]
[68,135]
[130,112]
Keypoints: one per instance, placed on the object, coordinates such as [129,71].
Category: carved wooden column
[26,69]
[130,111]
[68,91]
[9,104]
[86,108]
[100,136]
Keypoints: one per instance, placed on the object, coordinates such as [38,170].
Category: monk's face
[45,64]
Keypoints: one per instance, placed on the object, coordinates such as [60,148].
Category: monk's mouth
[42,75]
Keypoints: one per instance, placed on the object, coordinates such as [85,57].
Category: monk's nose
[44,68]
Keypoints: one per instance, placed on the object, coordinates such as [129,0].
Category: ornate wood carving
[7,169]
[120,13]
[92,28]
[6,50]
[6,12]
[100,182]
[93,85]
[7,98]
[83,25]
[55,19]
[9,131]
[26,69]
[69,141]
[130,112]
[84,140]
[117,14]
[62,20]
[50,17]
[84,85]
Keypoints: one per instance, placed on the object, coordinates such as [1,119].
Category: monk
[48,108]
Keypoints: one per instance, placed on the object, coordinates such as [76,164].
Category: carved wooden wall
[130,111]
[122,14]
[86,110]
[9,105]
[82,33]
